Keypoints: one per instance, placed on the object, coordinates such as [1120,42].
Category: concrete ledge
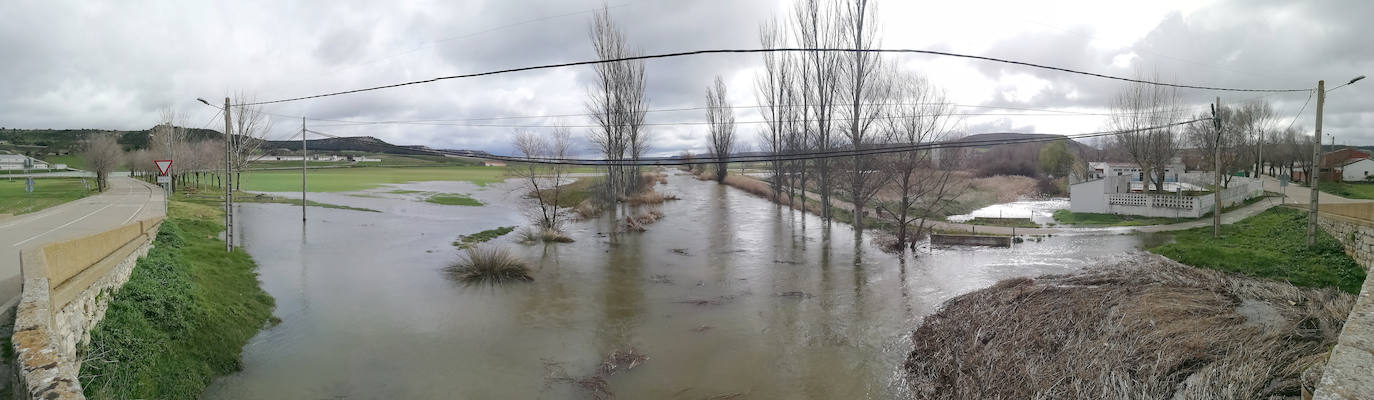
[970,240]
[1349,371]
[51,322]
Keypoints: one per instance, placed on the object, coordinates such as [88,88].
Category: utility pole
[228,181]
[1316,166]
[1216,176]
[305,155]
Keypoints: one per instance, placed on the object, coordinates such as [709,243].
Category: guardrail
[64,296]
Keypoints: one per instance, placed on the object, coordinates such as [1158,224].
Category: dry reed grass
[764,190]
[647,196]
[587,209]
[1148,328]
[484,265]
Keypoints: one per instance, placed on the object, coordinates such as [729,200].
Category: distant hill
[61,141]
[354,143]
[1002,136]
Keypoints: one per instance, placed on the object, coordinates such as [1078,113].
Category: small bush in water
[489,265]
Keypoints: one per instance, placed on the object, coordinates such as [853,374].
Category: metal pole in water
[305,155]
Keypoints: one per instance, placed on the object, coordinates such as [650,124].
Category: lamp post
[1316,160]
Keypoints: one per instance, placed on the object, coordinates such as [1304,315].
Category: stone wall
[970,240]
[51,321]
[1349,372]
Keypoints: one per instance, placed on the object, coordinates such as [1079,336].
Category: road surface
[126,200]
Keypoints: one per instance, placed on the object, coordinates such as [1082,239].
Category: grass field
[72,161]
[353,179]
[216,199]
[47,192]
[1348,190]
[183,317]
[452,199]
[1269,245]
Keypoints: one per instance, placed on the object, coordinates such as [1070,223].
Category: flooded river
[728,294]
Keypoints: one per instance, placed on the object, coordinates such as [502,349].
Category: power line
[772,50]
[1300,110]
[663,161]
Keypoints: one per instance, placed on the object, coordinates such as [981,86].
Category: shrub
[490,266]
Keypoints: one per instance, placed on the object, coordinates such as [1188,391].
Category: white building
[1357,170]
[1113,195]
[1099,170]
[16,162]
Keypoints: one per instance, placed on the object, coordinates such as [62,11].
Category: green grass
[181,320]
[403,191]
[354,179]
[1066,217]
[212,199]
[453,199]
[573,193]
[1348,190]
[72,161]
[1008,222]
[1270,245]
[466,241]
[47,192]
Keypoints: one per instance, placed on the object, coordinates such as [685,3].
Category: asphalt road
[126,200]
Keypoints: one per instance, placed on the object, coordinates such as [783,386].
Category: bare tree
[772,88]
[1138,111]
[1255,120]
[102,154]
[617,105]
[721,119]
[543,182]
[864,92]
[1203,137]
[815,28]
[924,180]
[251,126]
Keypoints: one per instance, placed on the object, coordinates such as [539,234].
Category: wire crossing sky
[775,50]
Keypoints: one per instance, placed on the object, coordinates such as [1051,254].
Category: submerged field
[354,179]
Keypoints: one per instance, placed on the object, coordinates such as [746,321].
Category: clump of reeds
[647,196]
[1147,328]
[587,209]
[639,222]
[531,234]
[490,266]
[649,179]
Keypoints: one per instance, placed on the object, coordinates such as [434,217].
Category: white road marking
[63,225]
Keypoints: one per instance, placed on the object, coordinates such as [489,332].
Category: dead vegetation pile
[595,385]
[1149,328]
[640,222]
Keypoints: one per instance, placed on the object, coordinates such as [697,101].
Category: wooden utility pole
[1316,167]
[1216,176]
[305,155]
[228,181]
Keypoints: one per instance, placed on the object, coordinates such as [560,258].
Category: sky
[116,65]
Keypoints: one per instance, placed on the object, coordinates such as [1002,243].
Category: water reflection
[727,294]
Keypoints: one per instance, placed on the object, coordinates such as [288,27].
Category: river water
[728,294]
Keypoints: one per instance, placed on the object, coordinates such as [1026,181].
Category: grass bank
[466,241]
[47,192]
[354,179]
[452,199]
[1273,245]
[1348,190]
[183,317]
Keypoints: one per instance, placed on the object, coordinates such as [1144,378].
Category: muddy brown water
[728,294]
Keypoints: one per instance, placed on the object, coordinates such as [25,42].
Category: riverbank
[183,317]
[1144,328]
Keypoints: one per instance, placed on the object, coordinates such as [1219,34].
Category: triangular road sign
[163,165]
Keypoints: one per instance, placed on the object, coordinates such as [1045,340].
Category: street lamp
[1316,159]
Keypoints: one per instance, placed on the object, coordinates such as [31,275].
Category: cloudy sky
[114,65]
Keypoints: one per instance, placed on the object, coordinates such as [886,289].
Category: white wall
[1088,197]
[1357,171]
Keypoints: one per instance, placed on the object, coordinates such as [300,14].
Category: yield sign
[163,165]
